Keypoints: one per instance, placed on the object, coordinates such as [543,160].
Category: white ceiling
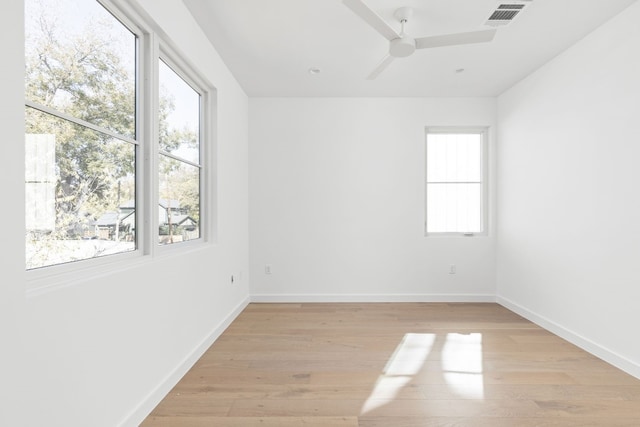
[269,45]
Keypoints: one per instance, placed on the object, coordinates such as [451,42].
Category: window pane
[179,116]
[80,60]
[179,204]
[80,192]
[454,157]
[454,208]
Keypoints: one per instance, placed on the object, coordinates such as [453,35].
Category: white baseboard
[603,353]
[336,298]
[147,405]
[138,415]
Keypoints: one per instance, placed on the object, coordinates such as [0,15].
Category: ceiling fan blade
[380,67]
[372,18]
[455,39]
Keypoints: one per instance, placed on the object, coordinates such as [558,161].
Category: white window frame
[484,208]
[152,44]
[185,70]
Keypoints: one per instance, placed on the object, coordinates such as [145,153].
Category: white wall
[568,206]
[103,351]
[336,190]
[12,299]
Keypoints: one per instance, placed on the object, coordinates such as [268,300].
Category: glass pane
[80,60]
[79,190]
[454,208]
[454,157]
[179,204]
[179,116]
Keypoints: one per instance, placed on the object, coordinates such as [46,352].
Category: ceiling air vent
[506,12]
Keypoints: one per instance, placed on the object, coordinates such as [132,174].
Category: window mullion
[148,180]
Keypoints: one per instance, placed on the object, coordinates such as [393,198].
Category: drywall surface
[102,351]
[13,372]
[568,206]
[337,202]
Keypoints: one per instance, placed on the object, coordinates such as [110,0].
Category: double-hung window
[456,184]
[116,136]
[179,158]
[81,139]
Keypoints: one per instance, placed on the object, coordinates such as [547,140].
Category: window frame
[168,54]
[484,208]
[151,44]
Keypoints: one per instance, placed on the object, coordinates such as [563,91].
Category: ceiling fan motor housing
[402,46]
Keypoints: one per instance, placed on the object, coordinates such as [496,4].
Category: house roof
[182,219]
[169,203]
[110,218]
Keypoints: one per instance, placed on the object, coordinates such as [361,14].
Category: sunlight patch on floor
[462,365]
[406,361]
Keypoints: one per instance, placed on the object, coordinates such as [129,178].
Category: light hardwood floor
[396,365]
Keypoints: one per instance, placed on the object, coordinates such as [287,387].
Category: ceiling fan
[400,44]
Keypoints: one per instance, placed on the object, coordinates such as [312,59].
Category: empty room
[320,213]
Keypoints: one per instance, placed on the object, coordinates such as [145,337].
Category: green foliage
[81,74]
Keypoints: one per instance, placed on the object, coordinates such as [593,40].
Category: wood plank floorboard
[396,365]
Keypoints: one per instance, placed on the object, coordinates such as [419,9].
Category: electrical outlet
[267,269]
[452,269]
[232,279]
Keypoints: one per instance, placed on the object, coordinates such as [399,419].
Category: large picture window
[95,115]
[456,181]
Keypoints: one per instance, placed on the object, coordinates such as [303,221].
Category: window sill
[457,235]
[52,278]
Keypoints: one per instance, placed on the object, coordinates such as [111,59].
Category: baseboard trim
[603,353]
[336,298]
[137,416]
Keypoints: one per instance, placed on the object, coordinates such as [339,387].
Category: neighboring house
[116,225]
[175,223]
[184,221]
[128,206]
[169,212]
[169,209]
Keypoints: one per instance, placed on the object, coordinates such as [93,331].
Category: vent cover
[506,12]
